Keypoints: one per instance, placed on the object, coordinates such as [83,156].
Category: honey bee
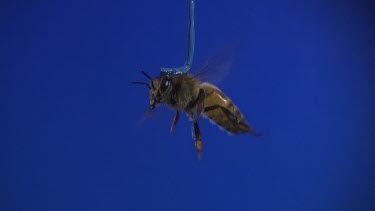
[184,92]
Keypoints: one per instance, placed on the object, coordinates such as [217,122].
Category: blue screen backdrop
[73,134]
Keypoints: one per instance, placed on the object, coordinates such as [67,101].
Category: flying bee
[184,92]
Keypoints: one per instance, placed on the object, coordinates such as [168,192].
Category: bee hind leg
[197,138]
[174,122]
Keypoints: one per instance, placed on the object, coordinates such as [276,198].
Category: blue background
[72,135]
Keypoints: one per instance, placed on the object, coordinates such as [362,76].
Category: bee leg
[175,120]
[197,137]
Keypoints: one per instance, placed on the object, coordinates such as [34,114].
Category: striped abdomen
[221,110]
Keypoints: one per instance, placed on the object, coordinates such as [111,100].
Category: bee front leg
[197,137]
[175,120]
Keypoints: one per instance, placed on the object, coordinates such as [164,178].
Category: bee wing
[218,66]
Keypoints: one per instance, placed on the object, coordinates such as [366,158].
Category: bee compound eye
[165,83]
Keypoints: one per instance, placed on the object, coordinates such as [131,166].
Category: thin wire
[190,49]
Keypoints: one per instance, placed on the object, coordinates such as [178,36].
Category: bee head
[159,87]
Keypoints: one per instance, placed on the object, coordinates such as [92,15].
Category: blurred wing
[218,66]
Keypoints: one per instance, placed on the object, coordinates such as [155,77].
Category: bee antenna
[137,82]
[145,74]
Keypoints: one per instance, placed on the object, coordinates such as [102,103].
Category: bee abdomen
[221,110]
